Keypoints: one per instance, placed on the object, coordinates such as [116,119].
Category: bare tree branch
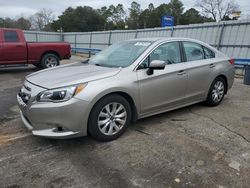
[218,9]
[42,19]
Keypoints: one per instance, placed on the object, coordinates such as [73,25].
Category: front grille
[24,93]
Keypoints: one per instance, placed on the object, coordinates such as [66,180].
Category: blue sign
[167,21]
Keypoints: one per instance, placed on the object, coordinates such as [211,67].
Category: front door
[164,89]
[13,50]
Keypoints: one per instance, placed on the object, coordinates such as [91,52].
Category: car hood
[66,75]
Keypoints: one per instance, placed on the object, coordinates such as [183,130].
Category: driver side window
[168,52]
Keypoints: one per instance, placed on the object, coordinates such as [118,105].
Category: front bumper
[49,133]
[56,120]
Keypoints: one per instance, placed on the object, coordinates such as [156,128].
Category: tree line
[85,18]
[40,21]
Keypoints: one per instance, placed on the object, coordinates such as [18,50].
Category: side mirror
[155,65]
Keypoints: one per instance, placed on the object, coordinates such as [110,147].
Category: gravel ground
[196,146]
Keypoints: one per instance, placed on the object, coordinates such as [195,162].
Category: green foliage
[114,17]
[151,17]
[134,15]
[79,19]
[23,23]
[192,16]
[20,23]
[83,19]
[176,8]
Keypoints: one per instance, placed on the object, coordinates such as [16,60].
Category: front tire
[49,60]
[216,92]
[109,118]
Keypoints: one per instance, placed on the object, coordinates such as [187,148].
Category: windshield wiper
[104,65]
[101,65]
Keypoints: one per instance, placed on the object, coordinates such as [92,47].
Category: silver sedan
[129,80]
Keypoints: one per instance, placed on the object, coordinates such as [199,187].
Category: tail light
[231,61]
[69,48]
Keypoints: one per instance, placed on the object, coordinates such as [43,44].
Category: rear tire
[216,92]
[49,60]
[109,118]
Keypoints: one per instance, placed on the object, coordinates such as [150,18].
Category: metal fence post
[75,40]
[90,40]
[221,35]
[136,33]
[90,43]
[172,31]
[110,35]
[62,37]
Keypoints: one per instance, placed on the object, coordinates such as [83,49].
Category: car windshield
[121,54]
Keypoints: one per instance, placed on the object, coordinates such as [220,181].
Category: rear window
[208,53]
[10,36]
[193,51]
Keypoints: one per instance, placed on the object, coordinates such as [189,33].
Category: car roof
[154,39]
[169,39]
[159,40]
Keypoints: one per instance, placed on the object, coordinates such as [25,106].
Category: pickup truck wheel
[49,60]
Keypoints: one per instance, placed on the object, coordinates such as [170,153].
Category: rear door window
[193,51]
[10,36]
[208,53]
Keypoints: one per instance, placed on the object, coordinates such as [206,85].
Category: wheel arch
[225,79]
[50,52]
[125,95]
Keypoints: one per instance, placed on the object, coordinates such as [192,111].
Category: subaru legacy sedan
[129,80]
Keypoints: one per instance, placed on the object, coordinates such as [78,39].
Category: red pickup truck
[15,50]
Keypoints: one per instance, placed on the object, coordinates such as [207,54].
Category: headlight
[60,94]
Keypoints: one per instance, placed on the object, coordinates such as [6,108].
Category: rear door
[200,66]
[164,89]
[13,50]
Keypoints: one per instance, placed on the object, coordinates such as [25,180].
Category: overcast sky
[17,8]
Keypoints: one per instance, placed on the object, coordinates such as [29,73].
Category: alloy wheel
[51,62]
[112,118]
[218,91]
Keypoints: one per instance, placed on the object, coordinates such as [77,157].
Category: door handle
[212,65]
[18,45]
[181,72]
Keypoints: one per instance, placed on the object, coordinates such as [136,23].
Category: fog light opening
[59,129]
